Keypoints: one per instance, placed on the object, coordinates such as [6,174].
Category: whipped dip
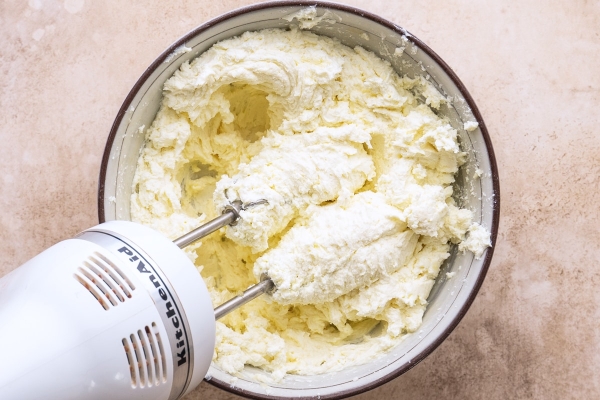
[357,170]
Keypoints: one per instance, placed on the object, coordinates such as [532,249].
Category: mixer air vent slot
[104,280]
[146,357]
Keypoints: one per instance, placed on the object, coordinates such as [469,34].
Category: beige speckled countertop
[532,67]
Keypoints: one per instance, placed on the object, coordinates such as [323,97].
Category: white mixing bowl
[449,298]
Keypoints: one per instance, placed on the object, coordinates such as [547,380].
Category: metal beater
[230,216]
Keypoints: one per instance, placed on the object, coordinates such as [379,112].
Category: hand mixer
[118,312]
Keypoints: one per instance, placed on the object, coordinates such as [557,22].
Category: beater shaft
[264,286]
[229,217]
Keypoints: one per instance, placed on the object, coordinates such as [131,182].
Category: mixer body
[118,312]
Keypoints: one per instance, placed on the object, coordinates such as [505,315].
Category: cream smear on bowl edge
[357,169]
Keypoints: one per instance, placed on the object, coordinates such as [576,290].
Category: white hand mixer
[118,312]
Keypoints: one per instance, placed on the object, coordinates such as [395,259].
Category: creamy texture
[340,247]
[288,173]
[357,170]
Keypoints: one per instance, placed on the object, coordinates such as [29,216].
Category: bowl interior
[449,298]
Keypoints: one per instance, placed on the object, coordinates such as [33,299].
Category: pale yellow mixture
[357,173]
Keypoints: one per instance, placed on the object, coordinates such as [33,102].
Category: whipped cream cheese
[338,248]
[288,173]
[357,170]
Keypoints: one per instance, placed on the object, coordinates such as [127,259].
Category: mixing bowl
[450,297]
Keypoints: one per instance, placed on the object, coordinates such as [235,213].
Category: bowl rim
[422,46]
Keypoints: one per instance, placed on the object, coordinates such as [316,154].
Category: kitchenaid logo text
[171,313]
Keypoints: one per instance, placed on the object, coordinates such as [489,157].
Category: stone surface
[532,332]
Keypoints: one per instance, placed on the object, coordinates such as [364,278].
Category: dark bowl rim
[422,46]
